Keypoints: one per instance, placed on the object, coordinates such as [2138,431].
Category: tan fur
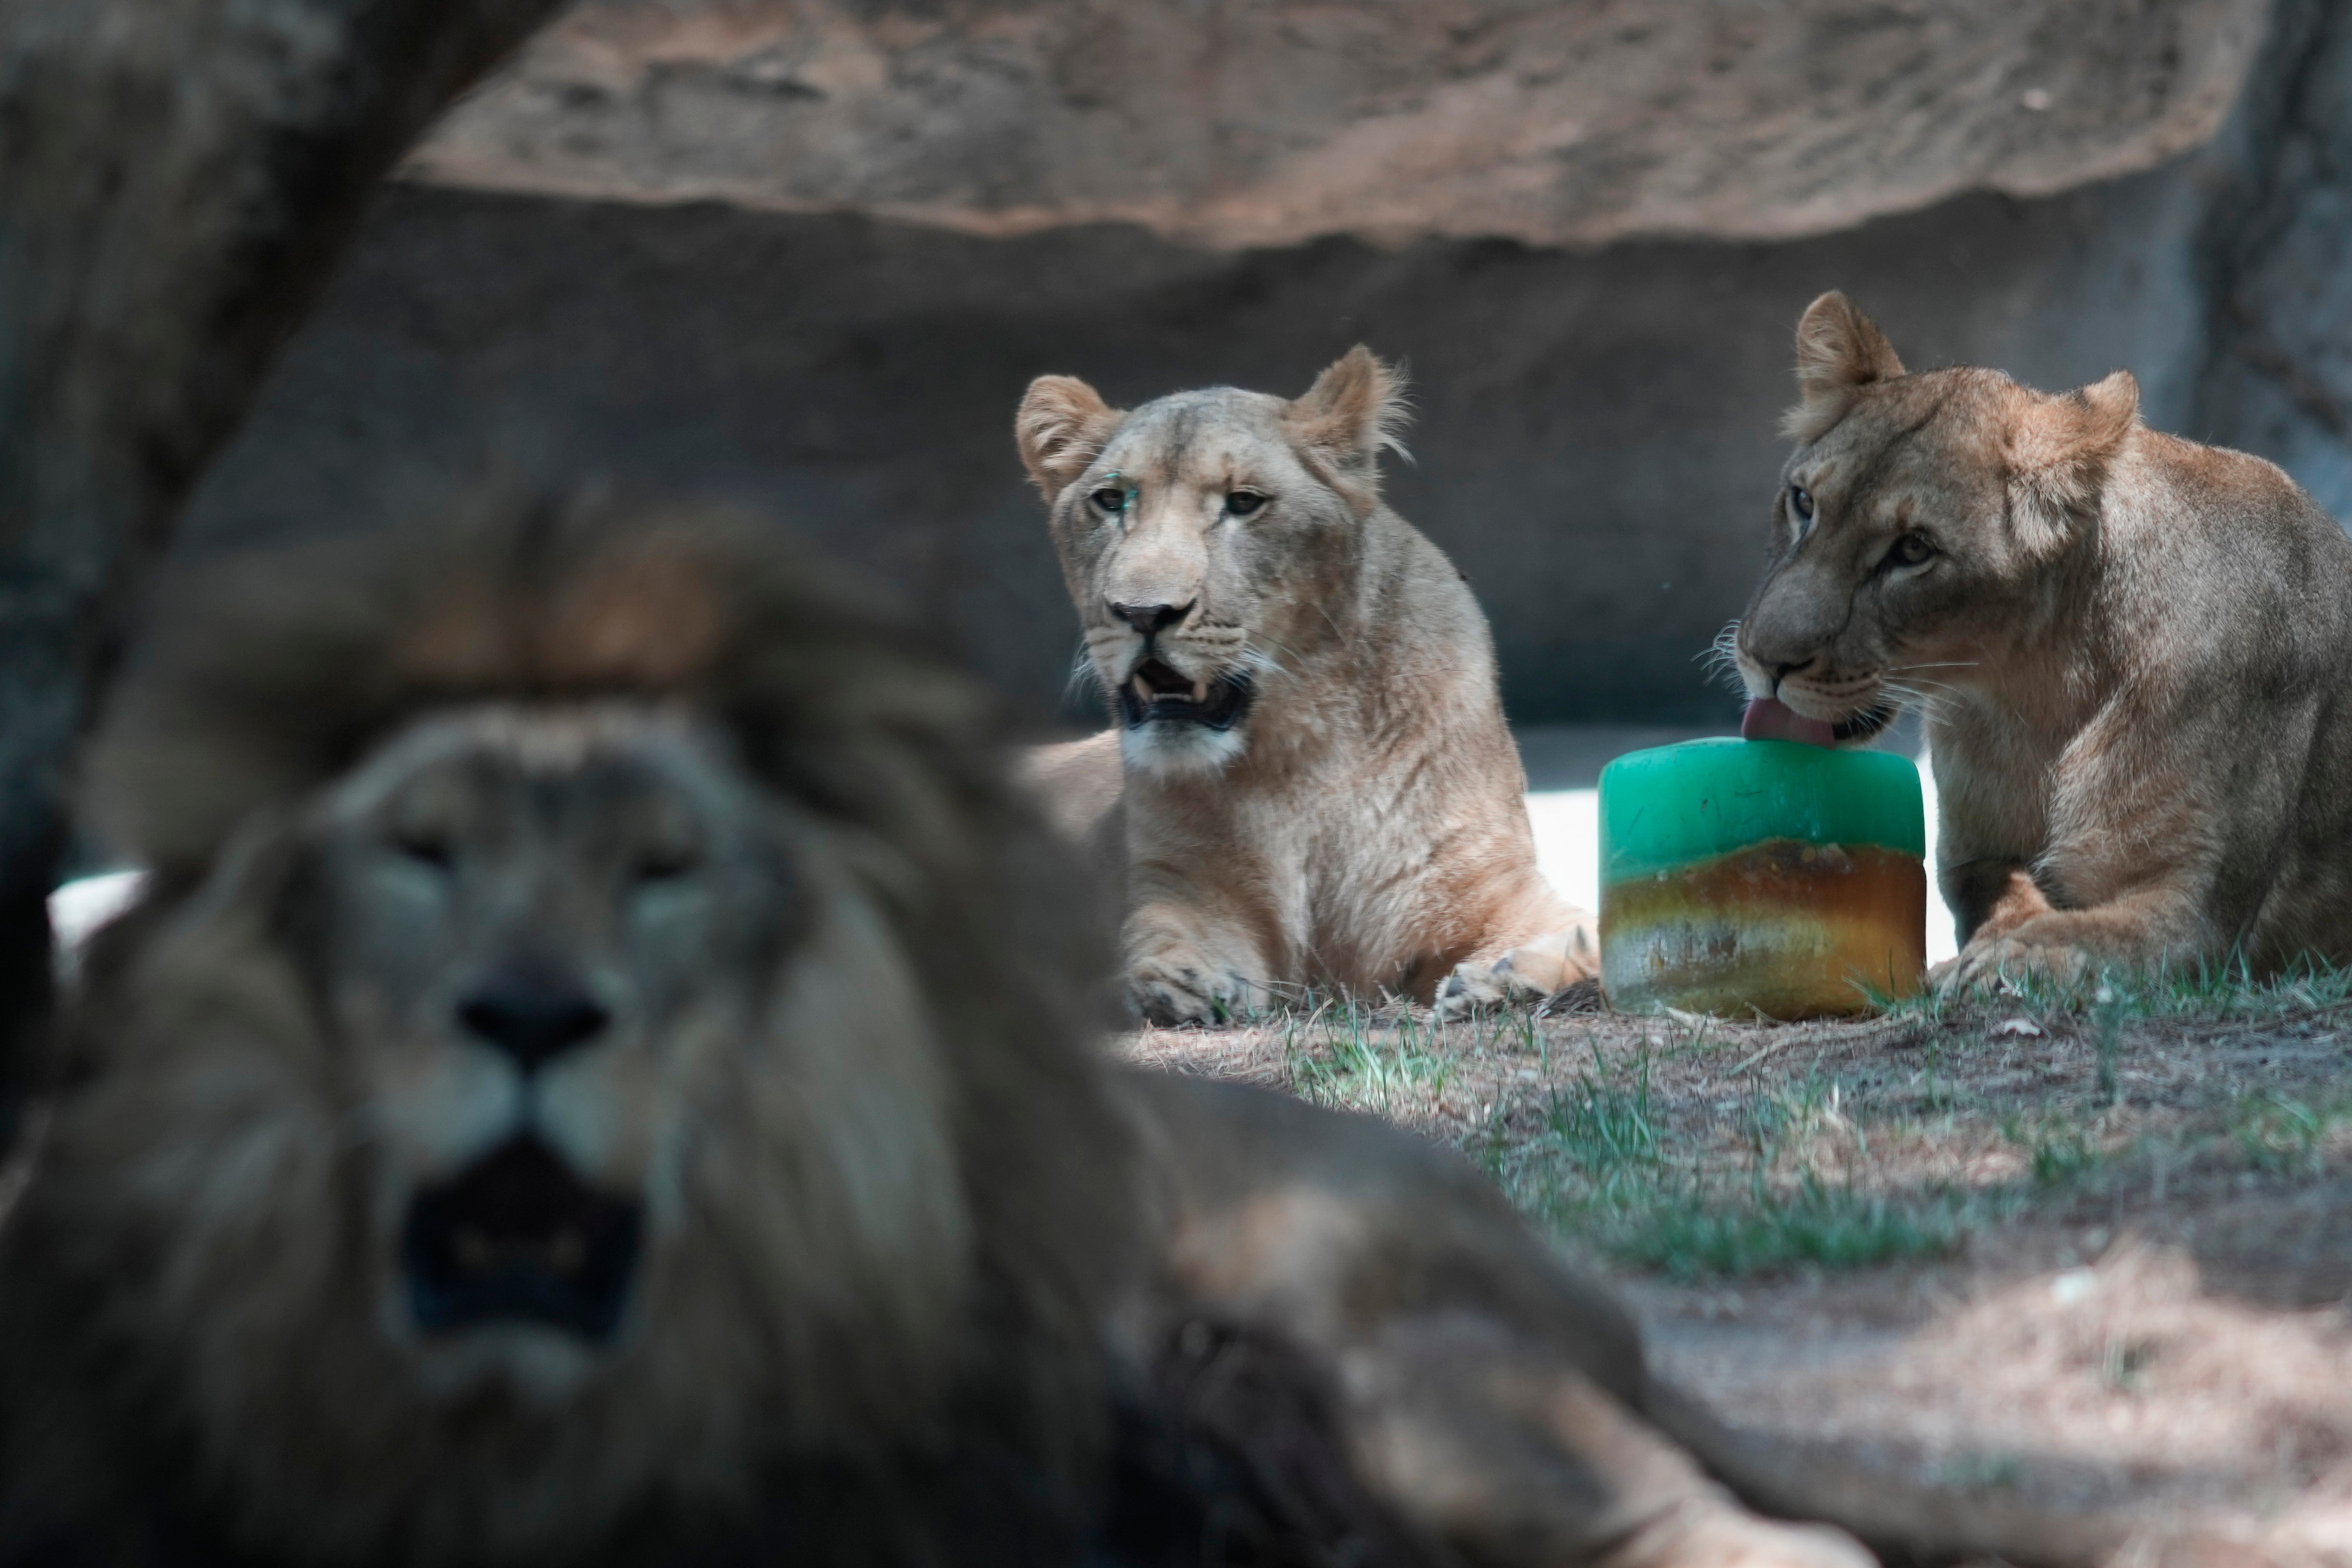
[2133,652]
[1081,786]
[909,1243]
[1363,824]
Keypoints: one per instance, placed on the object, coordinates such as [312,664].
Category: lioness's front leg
[1183,968]
[2129,875]
[2069,948]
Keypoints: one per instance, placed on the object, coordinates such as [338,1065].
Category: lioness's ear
[1839,351]
[1061,427]
[1356,407]
[2060,449]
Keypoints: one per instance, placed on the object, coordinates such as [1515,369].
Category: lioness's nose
[531,1013]
[1149,618]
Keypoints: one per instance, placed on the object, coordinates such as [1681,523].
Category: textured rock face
[1594,434]
[2280,381]
[1595,439]
[1261,123]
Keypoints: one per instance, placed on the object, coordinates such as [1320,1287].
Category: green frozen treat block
[1744,876]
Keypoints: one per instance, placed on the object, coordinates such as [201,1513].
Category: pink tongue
[1769,719]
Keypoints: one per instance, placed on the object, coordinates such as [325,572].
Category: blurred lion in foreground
[601,1074]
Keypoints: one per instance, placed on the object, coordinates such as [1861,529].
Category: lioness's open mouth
[516,1236]
[1156,694]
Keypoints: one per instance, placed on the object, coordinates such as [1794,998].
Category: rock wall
[1595,439]
[1595,442]
[2278,378]
[1261,123]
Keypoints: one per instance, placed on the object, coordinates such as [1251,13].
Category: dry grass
[2092,1252]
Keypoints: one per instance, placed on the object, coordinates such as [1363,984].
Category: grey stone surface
[1596,442]
[2279,380]
[1234,122]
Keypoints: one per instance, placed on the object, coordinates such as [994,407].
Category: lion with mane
[602,1073]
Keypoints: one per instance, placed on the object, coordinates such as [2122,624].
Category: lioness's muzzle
[516,1236]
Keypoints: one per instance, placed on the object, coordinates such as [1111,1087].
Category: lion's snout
[533,1011]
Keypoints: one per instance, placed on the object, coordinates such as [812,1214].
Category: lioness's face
[1199,546]
[532,931]
[1891,546]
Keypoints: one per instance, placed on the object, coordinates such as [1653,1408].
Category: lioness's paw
[1988,964]
[1526,975]
[1183,987]
[1475,988]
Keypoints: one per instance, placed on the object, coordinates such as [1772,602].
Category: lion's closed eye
[424,846]
[666,862]
[426,823]
[667,843]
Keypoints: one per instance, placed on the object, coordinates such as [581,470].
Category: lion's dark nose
[1150,618]
[533,1013]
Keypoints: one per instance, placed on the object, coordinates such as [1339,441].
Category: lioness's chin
[1168,748]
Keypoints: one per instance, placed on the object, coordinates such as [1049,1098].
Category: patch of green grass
[1819,1223]
[1605,1169]
[2216,991]
[1785,1178]
[2283,1135]
[2058,1152]
[1600,1124]
[1345,1055]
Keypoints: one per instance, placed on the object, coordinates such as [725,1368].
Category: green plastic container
[1747,877]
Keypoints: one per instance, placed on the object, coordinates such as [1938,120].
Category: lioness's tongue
[1769,719]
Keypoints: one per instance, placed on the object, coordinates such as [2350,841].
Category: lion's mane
[184,1353]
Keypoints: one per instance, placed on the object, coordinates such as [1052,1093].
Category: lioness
[595,1080]
[1319,788]
[2134,654]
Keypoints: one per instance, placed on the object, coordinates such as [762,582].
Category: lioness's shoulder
[2217,484]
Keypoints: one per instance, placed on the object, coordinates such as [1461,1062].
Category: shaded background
[809,254]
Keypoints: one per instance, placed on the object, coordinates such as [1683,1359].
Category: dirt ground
[2088,1256]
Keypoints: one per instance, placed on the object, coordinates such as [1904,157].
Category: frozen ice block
[1745,876]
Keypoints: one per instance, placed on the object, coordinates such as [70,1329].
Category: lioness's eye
[1800,503]
[1109,498]
[1910,550]
[1241,503]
